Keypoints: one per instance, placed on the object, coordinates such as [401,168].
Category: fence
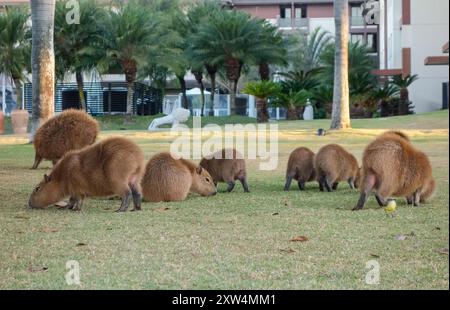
[245,105]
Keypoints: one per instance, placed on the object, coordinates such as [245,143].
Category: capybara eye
[208,180]
[37,189]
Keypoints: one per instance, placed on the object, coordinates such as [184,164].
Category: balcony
[296,23]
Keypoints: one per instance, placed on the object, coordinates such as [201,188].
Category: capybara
[169,179]
[226,165]
[70,130]
[300,167]
[393,167]
[114,166]
[334,164]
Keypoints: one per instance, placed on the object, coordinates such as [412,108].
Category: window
[356,11]
[372,42]
[285,12]
[300,12]
[357,37]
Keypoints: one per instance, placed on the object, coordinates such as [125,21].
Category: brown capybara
[226,165]
[300,167]
[70,130]
[114,166]
[334,164]
[169,179]
[393,167]
[397,133]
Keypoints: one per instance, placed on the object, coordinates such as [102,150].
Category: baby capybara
[334,164]
[393,167]
[114,166]
[169,179]
[70,130]
[300,167]
[226,165]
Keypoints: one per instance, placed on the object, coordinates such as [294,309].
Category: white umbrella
[196,91]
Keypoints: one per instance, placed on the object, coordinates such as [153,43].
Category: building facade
[408,39]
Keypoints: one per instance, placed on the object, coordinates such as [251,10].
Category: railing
[296,23]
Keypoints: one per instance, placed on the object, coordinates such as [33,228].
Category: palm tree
[382,95]
[132,32]
[261,90]
[15,45]
[231,39]
[77,46]
[43,62]
[274,52]
[310,48]
[340,117]
[292,100]
[402,83]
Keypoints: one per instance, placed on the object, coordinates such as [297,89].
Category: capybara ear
[47,178]
[199,169]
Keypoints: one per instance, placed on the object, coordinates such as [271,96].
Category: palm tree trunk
[79,78]
[18,84]
[42,62]
[292,113]
[340,117]
[199,78]
[130,90]
[233,68]
[262,114]
[182,81]
[212,70]
[264,72]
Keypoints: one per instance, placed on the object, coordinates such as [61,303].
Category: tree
[43,62]
[402,83]
[231,39]
[273,53]
[340,116]
[77,45]
[308,54]
[261,90]
[132,32]
[291,100]
[15,45]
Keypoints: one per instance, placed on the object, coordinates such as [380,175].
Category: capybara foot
[335,186]
[125,202]
[287,185]
[230,186]
[245,185]
[381,201]
[301,186]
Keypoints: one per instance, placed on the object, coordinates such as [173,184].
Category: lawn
[232,240]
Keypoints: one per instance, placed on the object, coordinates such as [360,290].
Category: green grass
[236,240]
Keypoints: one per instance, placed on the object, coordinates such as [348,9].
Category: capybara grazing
[169,179]
[300,167]
[393,167]
[226,165]
[70,130]
[334,164]
[114,166]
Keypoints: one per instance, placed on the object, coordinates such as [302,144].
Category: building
[410,38]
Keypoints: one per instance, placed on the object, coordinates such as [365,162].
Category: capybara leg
[137,198]
[381,201]
[126,199]
[244,184]
[327,184]
[37,161]
[416,198]
[72,202]
[320,185]
[287,185]
[351,183]
[230,186]
[78,204]
[409,200]
[369,183]
[301,185]
[335,186]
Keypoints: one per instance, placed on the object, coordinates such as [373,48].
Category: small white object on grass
[178,115]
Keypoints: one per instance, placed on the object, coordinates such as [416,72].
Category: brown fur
[111,167]
[226,165]
[300,167]
[70,130]
[334,164]
[169,179]
[397,133]
[393,167]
